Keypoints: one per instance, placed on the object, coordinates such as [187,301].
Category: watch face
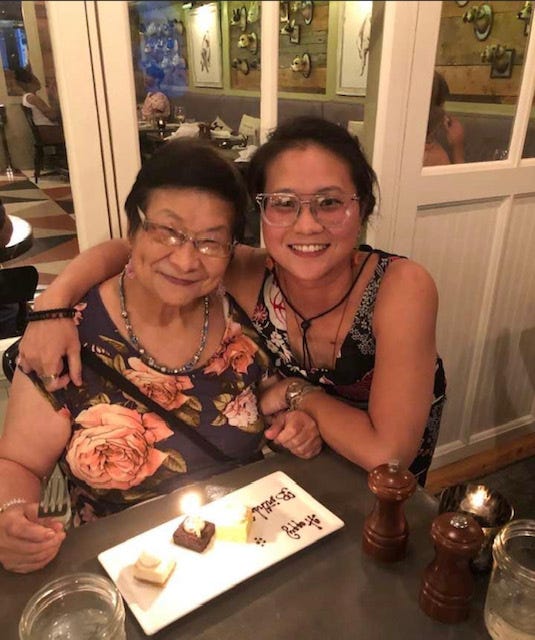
[293,392]
[294,389]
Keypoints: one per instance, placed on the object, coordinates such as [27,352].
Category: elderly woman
[352,330]
[166,327]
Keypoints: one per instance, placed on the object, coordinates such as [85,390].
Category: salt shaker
[447,584]
[386,530]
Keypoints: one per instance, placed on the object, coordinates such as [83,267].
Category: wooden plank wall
[459,52]
[312,40]
[46,51]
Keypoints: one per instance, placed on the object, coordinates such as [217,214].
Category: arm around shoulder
[88,269]
[46,342]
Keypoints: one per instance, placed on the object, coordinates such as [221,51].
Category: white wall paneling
[461,277]
[504,396]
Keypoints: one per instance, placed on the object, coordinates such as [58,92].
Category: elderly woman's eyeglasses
[176,238]
[283,209]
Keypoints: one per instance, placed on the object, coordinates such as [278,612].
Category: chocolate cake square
[190,540]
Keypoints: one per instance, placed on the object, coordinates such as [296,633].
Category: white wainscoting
[477,255]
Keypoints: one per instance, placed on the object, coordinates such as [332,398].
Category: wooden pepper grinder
[386,531]
[447,584]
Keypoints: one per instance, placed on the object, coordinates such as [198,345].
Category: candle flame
[479,497]
[190,503]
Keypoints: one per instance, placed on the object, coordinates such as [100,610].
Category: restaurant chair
[56,155]
[356,128]
[17,287]
[250,129]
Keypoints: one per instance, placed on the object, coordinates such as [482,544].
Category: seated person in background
[166,325]
[46,118]
[156,104]
[352,330]
[445,134]
[8,312]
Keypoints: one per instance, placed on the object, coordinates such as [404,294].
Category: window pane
[480,58]
[197,73]
[529,145]
[323,60]
[13,44]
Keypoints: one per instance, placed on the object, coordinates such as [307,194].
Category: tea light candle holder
[480,504]
[487,506]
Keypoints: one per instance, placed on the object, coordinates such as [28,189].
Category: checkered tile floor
[48,207]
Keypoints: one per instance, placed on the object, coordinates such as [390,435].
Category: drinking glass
[84,606]
[510,602]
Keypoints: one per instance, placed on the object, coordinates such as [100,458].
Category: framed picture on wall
[204,42]
[353,35]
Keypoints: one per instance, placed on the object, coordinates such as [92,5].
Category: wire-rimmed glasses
[177,238]
[330,209]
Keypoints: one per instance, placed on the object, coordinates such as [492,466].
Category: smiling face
[307,250]
[180,275]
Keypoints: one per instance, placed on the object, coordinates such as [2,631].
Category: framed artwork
[354,34]
[204,41]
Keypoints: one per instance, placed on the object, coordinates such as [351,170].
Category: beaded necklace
[146,357]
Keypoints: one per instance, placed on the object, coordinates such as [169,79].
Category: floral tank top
[352,376]
[120,453]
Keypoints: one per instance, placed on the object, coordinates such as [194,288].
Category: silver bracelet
[296,390]
[12,503]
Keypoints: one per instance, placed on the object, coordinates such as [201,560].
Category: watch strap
[297,390]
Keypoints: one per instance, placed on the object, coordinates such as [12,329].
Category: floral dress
[120,453]
[352,376]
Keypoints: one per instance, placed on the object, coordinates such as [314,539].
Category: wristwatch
[297,390]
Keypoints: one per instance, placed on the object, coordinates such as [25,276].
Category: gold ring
[50,378]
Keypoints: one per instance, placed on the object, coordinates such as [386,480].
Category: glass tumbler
[83,606]
[510,603]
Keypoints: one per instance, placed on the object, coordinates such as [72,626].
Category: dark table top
[330,590]
[20,242]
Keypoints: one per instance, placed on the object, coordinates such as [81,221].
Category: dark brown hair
[188,163]
[305,130]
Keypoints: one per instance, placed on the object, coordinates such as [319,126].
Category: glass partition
[323,60]
[205,60]
[526,15]
[478,72]
[13,44]
[197,73]
[529,144]
[197,68]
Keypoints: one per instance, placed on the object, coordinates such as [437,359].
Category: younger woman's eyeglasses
[328,209]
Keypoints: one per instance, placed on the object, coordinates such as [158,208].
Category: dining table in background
[330,590]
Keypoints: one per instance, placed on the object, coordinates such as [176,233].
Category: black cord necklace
[306,323]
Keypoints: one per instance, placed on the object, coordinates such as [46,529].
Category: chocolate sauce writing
[292,528]
[266,507]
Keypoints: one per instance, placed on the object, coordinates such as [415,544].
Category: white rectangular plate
[286,520]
